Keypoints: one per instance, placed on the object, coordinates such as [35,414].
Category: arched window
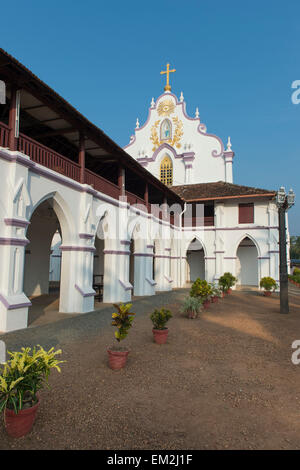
[166,171]
[166,130]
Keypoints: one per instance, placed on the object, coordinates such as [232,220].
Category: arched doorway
[40,269]
[195,261]
[247,263]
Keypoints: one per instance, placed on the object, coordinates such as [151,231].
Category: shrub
[268,283]
[24,374]
[122,319]
[216,291]
[227,281]
[296,272]
[191,306]
[202,289]
[160,317]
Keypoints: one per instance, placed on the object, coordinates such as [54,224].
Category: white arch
[190,241]
[62,211]
[247,235]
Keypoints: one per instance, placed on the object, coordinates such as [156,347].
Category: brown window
[246,213]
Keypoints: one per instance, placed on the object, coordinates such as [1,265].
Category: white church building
[98,220]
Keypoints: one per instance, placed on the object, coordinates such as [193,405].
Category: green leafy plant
[191,306]
[296,272]
[24,374]
[216,291]
[268,283]
[160,318]
[227,281]
[122,319]
[201,288]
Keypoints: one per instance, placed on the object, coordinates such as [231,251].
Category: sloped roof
[218,190]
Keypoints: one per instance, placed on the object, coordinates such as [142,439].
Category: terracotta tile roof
[218,190]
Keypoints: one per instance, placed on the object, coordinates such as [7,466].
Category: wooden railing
[101,184]
[51,159]
[47,157]
[199,221]
[4,133]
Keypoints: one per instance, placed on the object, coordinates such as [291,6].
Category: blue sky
[235,60]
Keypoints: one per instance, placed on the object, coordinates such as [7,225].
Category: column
[81,157]
[12,119]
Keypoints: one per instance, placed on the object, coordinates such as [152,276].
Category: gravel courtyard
[223,381]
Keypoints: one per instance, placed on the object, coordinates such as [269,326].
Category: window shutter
[246,213]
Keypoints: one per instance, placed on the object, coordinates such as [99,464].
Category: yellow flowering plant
[122,319]
[24,374]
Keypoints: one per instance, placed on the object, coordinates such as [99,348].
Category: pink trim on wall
[77,248]
[85,294]
[124,285]
[13,306]
[14,241]
[116,252]
[86,236]
[17,223]
[124,242]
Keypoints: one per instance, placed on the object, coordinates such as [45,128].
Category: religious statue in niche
[166,130]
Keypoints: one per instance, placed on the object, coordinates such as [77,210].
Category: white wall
[195,147]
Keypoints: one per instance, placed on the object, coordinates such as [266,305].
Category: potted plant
[203,290]
[268,284]
[122,319]
[159,319]
[216,293]
[191,306]
[21,378]
[226,282]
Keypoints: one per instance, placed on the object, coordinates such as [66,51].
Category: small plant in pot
[21,378]
[268,284]
[226,282]
[122,319]
[216,293]
[159,319]
[202,290]
[191,306]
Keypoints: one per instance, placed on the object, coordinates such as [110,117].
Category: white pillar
[228,156]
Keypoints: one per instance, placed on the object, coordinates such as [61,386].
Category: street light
[284,202]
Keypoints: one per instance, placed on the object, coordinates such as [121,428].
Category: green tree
[295,247]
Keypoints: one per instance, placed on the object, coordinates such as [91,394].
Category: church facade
[96,220]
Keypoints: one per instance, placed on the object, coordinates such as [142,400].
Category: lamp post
[284,202]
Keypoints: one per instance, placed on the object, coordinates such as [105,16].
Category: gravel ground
[223,381]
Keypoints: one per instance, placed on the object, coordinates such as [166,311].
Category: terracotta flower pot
[18,425]
[160,336]
[191,314]
[206,304]
[267,293]
[228,291]
[117,359]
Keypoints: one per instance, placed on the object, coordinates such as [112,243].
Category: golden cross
[167,72]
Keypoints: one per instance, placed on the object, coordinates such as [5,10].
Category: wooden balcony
[198,221]
[51,159]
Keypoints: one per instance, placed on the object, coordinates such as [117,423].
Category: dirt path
[225,380]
